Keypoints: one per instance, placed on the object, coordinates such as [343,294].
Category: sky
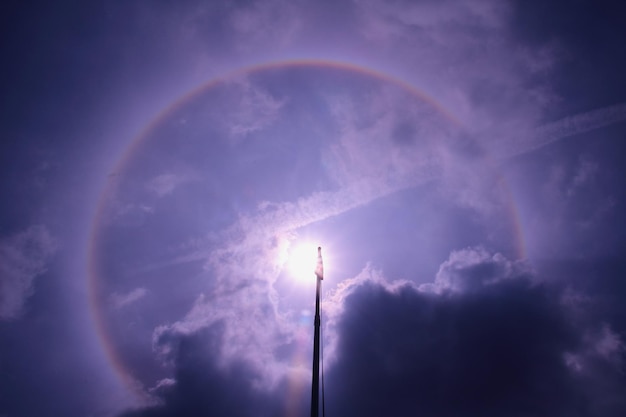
[168,170]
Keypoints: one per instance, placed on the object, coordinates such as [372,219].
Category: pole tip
[319,249]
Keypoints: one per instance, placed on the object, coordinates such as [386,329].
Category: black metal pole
[315,388]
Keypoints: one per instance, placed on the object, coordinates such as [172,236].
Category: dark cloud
[571,195]
[202,385]
[506,343]
[584,35]
[504,348]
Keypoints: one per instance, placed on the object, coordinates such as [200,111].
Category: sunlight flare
[301,260]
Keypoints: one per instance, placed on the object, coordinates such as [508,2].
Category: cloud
[250,109]
[128,214]
[242,297]
[404,19]
[387,141]
[608,344]
[275,22]
[585,173]
[466,56]
[494,341]
[567,127]
[387,134]
[487,337]
[122,300]
[165,184]
[474,268]
[204,386]
[23,257]
[465,47]
[472,301]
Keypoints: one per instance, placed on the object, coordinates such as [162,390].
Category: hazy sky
[169,168]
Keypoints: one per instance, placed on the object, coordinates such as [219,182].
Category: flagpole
[319,276]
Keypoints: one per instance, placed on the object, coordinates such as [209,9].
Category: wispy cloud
[23,257]
[274,22]
[252,109]
[404,147]
[564,128]
[122,300]
[407,145]
[164,184]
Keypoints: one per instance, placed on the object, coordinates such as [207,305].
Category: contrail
[569,126]
[322,205]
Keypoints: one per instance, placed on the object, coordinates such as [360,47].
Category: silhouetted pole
[315,388]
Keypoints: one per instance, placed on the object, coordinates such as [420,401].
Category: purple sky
[460,163]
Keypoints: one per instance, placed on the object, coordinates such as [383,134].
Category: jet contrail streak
[322,205]
[570,126]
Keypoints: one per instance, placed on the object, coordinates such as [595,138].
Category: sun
[301,260]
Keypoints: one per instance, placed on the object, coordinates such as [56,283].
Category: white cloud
[23,257]
[473,268]
[254,110]
[123,300]
[165,184]
[274,22]
[163,385]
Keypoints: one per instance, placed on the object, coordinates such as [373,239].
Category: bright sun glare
[301,260]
